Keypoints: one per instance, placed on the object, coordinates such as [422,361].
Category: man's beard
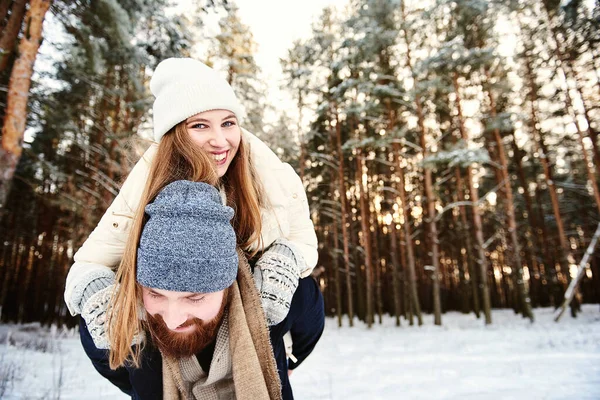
[185,344]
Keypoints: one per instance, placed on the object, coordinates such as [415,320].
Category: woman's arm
[286,213]
[301,236]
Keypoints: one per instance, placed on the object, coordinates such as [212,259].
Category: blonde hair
[177,158]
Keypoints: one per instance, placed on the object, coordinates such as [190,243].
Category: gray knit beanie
[188,243]
[184,87]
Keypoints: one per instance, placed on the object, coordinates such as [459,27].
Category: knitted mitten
[94,313]
[276,275]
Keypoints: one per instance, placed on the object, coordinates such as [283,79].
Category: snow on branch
[459,155]
[469,203]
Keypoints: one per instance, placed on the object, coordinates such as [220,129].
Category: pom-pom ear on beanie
[188,243]
[184,87]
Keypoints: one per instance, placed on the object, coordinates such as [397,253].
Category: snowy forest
[448,148]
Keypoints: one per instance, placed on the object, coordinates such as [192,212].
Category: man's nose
[174,318]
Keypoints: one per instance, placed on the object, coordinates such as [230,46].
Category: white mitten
[276,275]
[94,313]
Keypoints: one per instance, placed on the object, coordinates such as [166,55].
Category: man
[203,316]
[206,334]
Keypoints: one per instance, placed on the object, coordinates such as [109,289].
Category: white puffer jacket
[287,216]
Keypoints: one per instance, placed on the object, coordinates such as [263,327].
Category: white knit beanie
[184,87]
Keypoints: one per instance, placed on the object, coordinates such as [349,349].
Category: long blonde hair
[178,157]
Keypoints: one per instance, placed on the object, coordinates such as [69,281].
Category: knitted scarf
[254,369]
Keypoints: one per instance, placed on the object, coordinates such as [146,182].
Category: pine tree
[13,127]
[235,48]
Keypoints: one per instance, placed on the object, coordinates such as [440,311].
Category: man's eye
[197,299]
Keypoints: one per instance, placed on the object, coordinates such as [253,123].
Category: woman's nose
[218,138]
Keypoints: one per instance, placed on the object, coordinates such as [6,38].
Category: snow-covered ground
[511,359]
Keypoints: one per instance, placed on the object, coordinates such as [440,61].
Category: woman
[195,108]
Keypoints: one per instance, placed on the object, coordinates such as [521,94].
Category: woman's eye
[198,126]
[227,124]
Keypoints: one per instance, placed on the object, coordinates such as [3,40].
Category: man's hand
[276,275]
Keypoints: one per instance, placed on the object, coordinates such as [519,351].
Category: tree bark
[10,33]
[18,93]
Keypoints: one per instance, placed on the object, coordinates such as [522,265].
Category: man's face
[183,323]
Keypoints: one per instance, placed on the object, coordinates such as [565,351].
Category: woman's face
[218,133]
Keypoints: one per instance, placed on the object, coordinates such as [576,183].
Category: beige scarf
[254,369]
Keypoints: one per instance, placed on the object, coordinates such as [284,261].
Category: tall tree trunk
[408,243]
[10,33]
[565,254]
[336,274]
[395,271]
[408,286]
[533,243]
[360,297]
[461,257]
[474,195]
[430,200]
[407,250]
[468,245]
[433,236]
[15,119]
[550,262]
[363,195]
[510,211]
[377,267]
[344,216]
[336,240]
